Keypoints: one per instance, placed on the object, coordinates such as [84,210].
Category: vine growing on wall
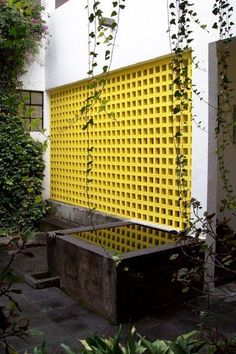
[181,17]
[102,32]
[181,14]
[223,12]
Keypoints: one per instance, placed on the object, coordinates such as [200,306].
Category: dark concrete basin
[138,283]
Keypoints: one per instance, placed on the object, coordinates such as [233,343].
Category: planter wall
[140,284]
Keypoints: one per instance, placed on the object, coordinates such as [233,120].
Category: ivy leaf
[96,4]
[107,54]
[185,290]
[91,18]
[215,11]
[40,350]
[174,256]
[98,13]
[178,134]
[67,349]
[176,110]
[177,93]
[92,34]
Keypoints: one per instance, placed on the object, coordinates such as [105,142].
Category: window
[59,3]
[32,110]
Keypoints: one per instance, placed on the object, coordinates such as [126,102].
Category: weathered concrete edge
[80,215]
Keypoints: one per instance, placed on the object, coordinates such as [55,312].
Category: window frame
[29,119]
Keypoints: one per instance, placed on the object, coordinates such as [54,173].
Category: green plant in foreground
[185,344]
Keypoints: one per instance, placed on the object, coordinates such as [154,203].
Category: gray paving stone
[61,319]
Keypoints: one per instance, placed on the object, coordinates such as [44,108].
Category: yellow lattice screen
[127,238]
[134,171]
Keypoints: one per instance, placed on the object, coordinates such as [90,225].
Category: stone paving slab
[62,320]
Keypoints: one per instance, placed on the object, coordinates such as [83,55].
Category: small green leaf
[67,349]
[185,290]
[174,256]
[91,17]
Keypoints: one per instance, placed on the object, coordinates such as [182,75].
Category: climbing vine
[223,12]
[181,14]
[181,17]
[102,34]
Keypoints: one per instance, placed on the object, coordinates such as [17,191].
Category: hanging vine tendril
[102,33]
[181,15]
[223,132]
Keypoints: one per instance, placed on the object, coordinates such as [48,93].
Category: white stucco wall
[230,152]
[34,79]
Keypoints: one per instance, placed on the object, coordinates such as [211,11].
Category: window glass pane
[32,110]
[37,112]
[36,125]
[36,98]
[26,124]
[26,96]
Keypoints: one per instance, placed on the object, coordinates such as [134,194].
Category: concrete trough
[138,283]
[42,280]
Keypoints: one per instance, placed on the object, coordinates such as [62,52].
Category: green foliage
[99,345]
[21,169]
[21,29]
[21,163]
[21,158]
[185,344]
[188,343]
[40,350]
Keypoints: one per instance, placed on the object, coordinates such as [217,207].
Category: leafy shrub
[22,28]
[21,163]
[21,170]
[184,344]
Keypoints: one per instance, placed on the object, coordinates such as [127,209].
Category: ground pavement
[62,320]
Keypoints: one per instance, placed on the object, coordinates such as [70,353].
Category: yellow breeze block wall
[127,238]
[134,157]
